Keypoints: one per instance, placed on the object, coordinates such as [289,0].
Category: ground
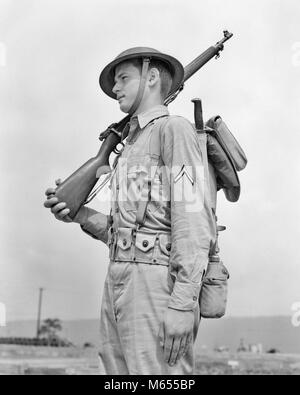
[18,360]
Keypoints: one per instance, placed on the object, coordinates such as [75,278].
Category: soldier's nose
[115,89]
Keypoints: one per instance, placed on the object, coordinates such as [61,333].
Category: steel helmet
[108,74]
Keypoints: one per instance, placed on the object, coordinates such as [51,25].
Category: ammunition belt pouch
[131,245]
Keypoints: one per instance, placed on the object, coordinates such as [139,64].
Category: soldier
[161,227]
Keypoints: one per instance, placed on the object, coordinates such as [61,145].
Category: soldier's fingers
[181,348]
[63,215]
[50,191]
[50,202]
[189,340]
[168,348]
[175,351]
[58,207]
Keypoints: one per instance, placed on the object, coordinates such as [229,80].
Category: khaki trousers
[135,300]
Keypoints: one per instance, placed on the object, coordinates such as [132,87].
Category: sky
[52,110]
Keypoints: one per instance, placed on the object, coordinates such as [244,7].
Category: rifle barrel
[199,62]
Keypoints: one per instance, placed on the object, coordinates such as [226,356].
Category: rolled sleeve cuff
[185,296]
[96,226]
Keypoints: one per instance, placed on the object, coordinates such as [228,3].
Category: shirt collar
[155,112]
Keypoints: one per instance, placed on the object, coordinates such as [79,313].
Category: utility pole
[39,313]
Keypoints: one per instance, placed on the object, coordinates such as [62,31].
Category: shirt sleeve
[96,224]
[193,226]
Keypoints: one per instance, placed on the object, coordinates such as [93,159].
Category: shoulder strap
[159,124]
[155,148]
[209,170]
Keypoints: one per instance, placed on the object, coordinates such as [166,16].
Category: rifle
[76,189]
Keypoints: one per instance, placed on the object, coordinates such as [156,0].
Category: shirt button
[145,243]
[195,298]
[168,247]
[124,242]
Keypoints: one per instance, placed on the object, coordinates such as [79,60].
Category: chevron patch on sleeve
[184,172]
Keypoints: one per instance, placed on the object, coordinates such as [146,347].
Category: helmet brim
[107,76]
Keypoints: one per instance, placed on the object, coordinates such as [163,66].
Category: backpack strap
[209,170]
[155,149]
[211,184]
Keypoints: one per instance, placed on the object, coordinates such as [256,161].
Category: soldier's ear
[154,76]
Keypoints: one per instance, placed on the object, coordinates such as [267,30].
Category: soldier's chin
[125,108]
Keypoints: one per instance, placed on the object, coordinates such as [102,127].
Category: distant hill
[271,332]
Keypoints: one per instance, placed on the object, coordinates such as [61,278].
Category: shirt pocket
[132,182]
[140,170]
[136,179]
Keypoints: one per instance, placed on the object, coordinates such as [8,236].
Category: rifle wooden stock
[74,191]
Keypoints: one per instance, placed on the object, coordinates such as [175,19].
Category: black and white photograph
[149,163]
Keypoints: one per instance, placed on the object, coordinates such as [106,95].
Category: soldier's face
[127,82]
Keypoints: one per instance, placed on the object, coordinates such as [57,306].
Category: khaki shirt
[179,201]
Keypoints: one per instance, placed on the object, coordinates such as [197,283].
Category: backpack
[223,158]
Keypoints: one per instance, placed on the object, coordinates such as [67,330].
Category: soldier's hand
[176,334]
[59,209]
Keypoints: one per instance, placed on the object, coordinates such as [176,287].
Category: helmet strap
[140,94]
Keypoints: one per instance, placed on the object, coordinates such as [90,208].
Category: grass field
[17,360]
